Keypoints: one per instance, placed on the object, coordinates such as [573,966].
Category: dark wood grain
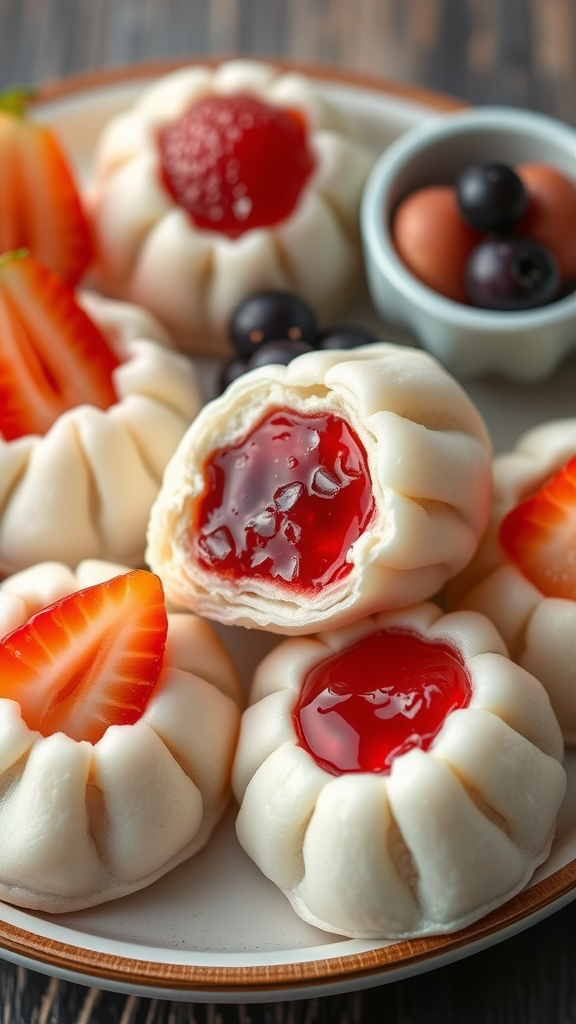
[520,52]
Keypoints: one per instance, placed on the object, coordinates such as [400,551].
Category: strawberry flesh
[539,535]
[40,207]
[52,355]
[90,660]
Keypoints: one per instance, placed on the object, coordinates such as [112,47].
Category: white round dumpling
[84,489]
[312,494]
[192,270]
[91,810]
[526,583]
[399,777]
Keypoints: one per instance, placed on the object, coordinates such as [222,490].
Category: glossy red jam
[377,699]
[286,503]
[236,163]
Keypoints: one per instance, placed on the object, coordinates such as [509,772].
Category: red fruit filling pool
[378,699]
[286,503]
[236,163]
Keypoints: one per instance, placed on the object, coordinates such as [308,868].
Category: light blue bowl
[524,346]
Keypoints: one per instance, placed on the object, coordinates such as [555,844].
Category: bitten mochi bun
[524,574]
[312,494]
[118,725]
[84,488]
[221,182]
[400,777]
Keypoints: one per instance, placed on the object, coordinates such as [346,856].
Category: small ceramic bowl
[524,346]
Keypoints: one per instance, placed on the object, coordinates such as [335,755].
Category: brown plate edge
[61,956]
[70,84]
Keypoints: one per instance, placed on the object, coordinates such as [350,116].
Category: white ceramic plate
[215,929]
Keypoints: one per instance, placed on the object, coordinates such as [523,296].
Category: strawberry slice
[539,535]
[52,356]
[90,660]
[40,207]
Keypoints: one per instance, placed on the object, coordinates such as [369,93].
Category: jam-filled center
[236,163]
[286,503]
[377,699]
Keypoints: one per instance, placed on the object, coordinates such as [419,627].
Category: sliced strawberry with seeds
[539,535]
[89,660]
[40,208]
[52,355]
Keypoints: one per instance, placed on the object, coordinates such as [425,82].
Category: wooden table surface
[520,52]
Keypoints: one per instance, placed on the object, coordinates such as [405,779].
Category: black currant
[491,197]
[270,316]
[345,337]
[511,273]
[281,350]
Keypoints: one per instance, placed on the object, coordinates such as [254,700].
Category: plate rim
[352,967]
[61,87]
[57,956]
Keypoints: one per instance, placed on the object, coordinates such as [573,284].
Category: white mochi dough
[429,463]
[446,836]
[151,252]
[540,631]
[85,488]
[83,823]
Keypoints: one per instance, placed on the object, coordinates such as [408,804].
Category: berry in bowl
[468,226]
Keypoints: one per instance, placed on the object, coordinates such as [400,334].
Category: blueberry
[232,369]
[491,197]
[345,337]
[270,316]
[511,274]
[280,350]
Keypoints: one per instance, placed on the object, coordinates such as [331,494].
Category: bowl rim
[376,229]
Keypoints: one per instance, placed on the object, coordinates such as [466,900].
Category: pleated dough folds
[449,834]
[150,250]
[83,823]
[428,455]
[540,631]
[84,489]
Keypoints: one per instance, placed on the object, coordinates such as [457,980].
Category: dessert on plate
[308,496]
[523,576]
[312,494]
[118,726]
[400,776]
[220,182]
[93,402]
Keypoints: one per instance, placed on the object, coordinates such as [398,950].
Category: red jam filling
[236,163]
[286,503]
[378,699]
